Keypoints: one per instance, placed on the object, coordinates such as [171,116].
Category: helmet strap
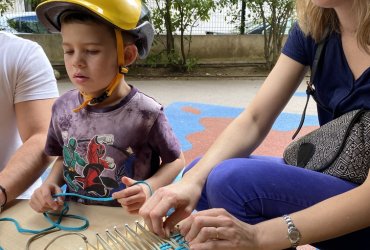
[91,101]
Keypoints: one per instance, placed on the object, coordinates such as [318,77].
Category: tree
[162,22]
[173,16]
[273,15]
[5,5]
[242,18]
[34,3]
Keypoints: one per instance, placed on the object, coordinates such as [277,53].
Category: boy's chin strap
[90,100]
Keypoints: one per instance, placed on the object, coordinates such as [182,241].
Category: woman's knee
[236,171]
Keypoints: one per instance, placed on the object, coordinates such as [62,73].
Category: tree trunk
[170,48]
[242,18]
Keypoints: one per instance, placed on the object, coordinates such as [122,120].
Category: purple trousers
[259,188]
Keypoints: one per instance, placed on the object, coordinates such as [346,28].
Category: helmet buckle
[123,70]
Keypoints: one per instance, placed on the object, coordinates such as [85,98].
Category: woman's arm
[250,128]
[336,216]
[239,139]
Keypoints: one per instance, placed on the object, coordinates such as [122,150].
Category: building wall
[208,49]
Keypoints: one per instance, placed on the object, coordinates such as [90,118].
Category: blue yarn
[179,240]
[54,224]
[23,230]
[83,197]
[63,213]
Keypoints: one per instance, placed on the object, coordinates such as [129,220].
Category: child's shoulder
[67,99]
[147,102]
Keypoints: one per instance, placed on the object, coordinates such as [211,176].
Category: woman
[260,202]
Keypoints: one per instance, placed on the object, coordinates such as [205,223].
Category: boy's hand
[133,196]
[42,200]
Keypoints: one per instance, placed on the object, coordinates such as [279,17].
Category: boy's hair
[83,17]
[314,20]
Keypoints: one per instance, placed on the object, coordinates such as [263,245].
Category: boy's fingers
[127,181]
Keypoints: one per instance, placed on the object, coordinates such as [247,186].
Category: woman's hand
[42,198]
[218,229]
[133,196]
[181,196]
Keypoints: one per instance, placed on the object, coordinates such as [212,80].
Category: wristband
[6,198]
[146,183]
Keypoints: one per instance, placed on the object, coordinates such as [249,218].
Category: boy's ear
[131,54]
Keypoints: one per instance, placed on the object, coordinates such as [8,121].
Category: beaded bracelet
[6,198]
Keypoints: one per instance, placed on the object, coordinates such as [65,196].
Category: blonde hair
[314,21]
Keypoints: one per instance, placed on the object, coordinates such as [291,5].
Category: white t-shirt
[25,74]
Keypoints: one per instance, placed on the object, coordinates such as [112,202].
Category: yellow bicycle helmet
[129,15]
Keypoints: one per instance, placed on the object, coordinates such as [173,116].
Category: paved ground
[218,91]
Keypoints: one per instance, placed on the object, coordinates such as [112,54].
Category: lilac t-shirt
[99,146]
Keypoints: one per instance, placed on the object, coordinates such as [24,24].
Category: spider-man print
[92,181]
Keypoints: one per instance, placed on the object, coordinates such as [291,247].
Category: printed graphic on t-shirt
[92,172]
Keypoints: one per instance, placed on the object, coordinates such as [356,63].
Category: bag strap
[310,91]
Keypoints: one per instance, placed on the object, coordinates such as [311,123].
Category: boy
[107,135]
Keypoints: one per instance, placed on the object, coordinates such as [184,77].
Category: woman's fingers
[152,219]
[155,209]
[207,233]
[215,212]
[201,228]
[201,218]
[178,196]
[216,229]
[175,216]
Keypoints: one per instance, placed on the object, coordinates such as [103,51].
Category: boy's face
[90,55]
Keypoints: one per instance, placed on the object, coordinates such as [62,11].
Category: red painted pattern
[273,145]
